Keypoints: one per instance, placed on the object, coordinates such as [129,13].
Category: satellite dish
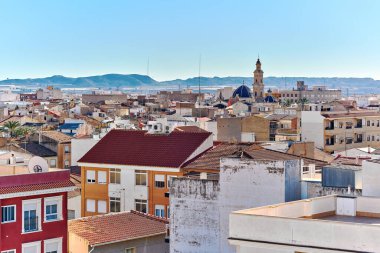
[37,164]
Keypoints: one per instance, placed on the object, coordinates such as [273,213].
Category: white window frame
[31,244]
[105,206]
[141,202]
[141,172]
[58,200]
[67,163]
[54,240]
[55,163]
[103,179]
[114,201]
[88,176]
[9,251]
[87,200]
[161,209]
[38,214]
[15,216]
[67,149]
[115,172]
[160,178]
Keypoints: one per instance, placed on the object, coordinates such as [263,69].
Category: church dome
[242,91]
[269,99]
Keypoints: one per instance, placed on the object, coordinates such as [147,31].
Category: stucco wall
[201,208]
[312,128]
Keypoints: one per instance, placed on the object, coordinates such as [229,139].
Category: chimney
[369,149]
[357,160]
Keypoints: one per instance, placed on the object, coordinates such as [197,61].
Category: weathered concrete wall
[229,129]
[245,184]
[312,189]
[194,220]
[200,208]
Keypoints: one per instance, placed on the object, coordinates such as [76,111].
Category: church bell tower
[258,82]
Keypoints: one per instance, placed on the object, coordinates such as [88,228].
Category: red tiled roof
[35,187]
[115,227]
[131,147]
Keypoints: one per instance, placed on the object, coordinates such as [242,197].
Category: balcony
[30,224]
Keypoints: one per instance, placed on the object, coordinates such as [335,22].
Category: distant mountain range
[355,85]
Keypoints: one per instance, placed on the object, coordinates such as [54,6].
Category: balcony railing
[31,224]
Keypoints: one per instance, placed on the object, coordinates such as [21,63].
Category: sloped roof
[57,136]
[210,160]
[38,150]
[36,187]
[116,227]
[135,147]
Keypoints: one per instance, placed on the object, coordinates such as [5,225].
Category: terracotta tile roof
[35,187]
[210,160]
[57,136]
[115,227]
[135,147]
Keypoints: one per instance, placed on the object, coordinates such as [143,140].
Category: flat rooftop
[352,219]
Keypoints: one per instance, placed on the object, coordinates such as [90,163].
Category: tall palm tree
[12,126]
[303,102]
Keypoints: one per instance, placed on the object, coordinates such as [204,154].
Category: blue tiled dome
[243,92]
[269,99]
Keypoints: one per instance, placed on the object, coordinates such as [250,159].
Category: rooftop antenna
[199,85]
[147,68]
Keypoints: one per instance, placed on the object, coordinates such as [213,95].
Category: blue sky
[323,38]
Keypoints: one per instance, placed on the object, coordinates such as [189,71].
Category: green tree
[12,126]
[286,103]
[303,102]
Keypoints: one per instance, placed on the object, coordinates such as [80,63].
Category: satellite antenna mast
[199,81]
[147,68]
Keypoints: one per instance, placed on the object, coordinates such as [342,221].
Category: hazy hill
[355,85]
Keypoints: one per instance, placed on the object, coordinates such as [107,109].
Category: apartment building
[57,142]
[344,131]
[33,209]
[132,170]
[329,224]
[317,94]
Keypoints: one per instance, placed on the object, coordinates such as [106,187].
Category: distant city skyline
[42,38]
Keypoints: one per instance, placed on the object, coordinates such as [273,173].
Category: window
[168,211]
[67,164]
[90,204]
[31,215]
[32,247]
[8,214]
[102,177]
[114,204]
[115,176]
[67,149]
[169,180]
[9,251]
[102,206]
[159,210]
[90,175]
[141,205]
[53,163]
[368,123]
[53,208]
[140,177]
[348,140]
[53,245]
[159,181]
[130,250]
